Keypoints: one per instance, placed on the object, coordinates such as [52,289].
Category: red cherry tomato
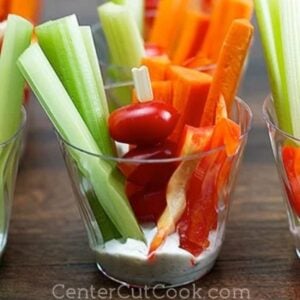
[146,174]
[146,123]
[147,203]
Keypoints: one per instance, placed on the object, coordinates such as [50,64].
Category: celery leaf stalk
[63,43]
[123,37]
[290,36]
[136,8]
[16,39]
[270,31]
[59,107]
[280,28]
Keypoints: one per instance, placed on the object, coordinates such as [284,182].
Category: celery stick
[58,105]
[136,8]
[65,48]
[290,37]
[17,38]
[88,40]
[270,29]
[122,34]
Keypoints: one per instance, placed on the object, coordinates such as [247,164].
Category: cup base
[157,285]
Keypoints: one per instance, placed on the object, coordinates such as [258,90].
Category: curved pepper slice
[194,140]
[291,161]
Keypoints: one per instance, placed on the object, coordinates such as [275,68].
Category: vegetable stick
[290,41]
[63,43]
[170,15]
[269,20]
[28,9]
[106,182]
[176,190]
[197,61]
[136,8]
[3,9]
[190,90]
[16,39]
[122,34]
[231,9]
[157,66]
[162,91]
[229,69]
[191,37]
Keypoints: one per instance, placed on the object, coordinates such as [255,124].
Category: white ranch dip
[172,265]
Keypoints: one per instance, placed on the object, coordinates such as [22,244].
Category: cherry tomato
[147,203]
[146,174]
[146,123]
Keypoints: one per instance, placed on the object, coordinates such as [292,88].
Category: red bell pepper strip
[203,187]
[194,140]
[291,161]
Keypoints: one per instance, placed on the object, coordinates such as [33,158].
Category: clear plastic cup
[285,149]
[10,152]
[207,179]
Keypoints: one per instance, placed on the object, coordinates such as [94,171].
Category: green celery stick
[279,27]
[16,39]
[108,230]
[289,11]
[88,40]
[60,109]
[123,37]
[65,48]
[136,8]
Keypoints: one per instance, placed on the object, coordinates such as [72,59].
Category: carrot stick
[162,91]
[229,69]
[224,13]
[3,9]
[28,9]
[157,66]
[207,5]
[190,90]
[191,37]
[169,18]
[197,61]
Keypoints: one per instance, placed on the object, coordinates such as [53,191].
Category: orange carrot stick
[229,69]
[192,36]
[224,13]
[197,61]
[207,5]
[28,9]
[190,90]
[169,18]
[157,66]
[162,91]
[3,9]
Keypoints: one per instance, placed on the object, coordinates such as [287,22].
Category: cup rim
[20,129]
[165,160]
[268,120]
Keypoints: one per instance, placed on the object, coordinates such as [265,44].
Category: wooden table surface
[48,244]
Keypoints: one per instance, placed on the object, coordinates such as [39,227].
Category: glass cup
[286,149]
[10,151]
[205,180]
